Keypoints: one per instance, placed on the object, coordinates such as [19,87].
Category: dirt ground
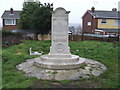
[83,83]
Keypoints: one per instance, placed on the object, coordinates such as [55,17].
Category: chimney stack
[93,9]
[114,9]
[11,10]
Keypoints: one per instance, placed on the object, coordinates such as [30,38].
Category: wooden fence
[82,38]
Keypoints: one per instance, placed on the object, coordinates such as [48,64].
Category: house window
[104,21]
[10,22]
[89,23]
[98,33]
[117,22]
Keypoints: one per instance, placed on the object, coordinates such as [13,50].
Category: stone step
[59,66]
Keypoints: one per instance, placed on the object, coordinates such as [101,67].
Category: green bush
[9,33]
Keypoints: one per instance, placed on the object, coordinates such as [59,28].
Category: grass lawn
[105,52]
[0,68]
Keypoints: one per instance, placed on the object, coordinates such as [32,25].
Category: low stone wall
[44,37]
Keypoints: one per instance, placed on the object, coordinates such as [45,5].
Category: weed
[81,77]
[65,82]
[83,66]
[54,72]
[91,69]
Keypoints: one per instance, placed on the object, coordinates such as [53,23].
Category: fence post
[82,37]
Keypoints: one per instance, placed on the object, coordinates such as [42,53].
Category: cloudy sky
[77,7]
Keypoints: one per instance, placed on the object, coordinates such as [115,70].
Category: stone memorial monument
[60,64]
[59,56]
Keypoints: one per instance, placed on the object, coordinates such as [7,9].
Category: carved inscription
[60,48]
[59,32]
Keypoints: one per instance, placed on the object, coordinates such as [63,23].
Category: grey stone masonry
[60,32]
[60,64]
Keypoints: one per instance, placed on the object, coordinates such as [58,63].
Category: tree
[26,14]
[36,16]
[41,20]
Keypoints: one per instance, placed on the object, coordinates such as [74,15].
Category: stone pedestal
[59,57]
[55,63]
[60,64]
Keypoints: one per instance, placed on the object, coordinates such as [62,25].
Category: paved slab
[72,74]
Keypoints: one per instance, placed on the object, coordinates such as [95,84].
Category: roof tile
[7,15]
[106,14]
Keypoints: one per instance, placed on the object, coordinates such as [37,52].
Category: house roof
[7,15]
[105,14]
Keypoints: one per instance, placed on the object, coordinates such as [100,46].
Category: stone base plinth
[52,62]
[86,69]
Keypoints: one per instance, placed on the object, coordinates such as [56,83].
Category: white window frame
[10,22]
[104,21]
[98,33]
[89,23]
[117,22]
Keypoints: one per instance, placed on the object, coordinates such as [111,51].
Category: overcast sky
[77,7]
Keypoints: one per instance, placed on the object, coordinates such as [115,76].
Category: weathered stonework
[69,74]
[59,56]
[60,32]
[60,64]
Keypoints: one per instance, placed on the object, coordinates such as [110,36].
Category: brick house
[10,19]
[101,22]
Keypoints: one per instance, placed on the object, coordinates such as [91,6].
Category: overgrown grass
[15,55]
[104,52]
[65,82]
